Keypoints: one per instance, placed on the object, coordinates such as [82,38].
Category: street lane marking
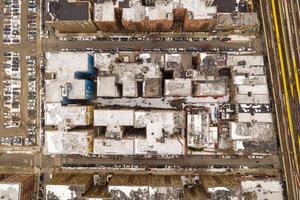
[296,77]
[286,50]
[299,142]
[284,80]
[292,91]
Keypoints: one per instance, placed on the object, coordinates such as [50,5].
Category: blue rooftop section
[89,84]
[90,74]
[90,88]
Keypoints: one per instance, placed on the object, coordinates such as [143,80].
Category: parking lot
[31,17]
[31,101]
[12,22]
[11,90]
[18,76]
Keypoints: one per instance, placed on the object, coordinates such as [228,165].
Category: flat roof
[249,80]
[134,13]
[168,147]
[146,186]
[253,99]
[133,10]
[251,70]
[63,191]
[113,117]
[102,61]
[72,142]
[161,11]
[113,147]
[160,126]
[263,189]
[56,114]
[64,65]
[65,11]
[126,74]
[10,191]
[249,19]
[178,87]
[107,87]
[104,12]
[138,146]
[210,89]
[152,87]
[251,131]
[255,117]
[245,60]
[173,60]
[253,89]
[199,132]
[200,9]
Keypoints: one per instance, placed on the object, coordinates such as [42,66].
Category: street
[282,45]
[47,163]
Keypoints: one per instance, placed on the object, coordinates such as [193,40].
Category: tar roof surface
[69,11]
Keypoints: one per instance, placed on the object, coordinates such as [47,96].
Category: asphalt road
[281,45]
[53,44]
[189,161]
[17,160]
[198,161]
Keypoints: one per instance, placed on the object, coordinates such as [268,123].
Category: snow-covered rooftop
[107,87]
[61,192]
[178,87]
[249,80]
[113,117]
[56,114]
[72,142]
[10,191]
[104,11]
[210,89]
[263,189]
[251,131]
[255,117]
[251,70]
[162,10]
[200,9]
[253,89]
[126,74]
[257,98]
[64,65]
[159,125]
[245,60]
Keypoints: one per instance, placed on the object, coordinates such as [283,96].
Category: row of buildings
[65,186]
[85,76]
[252,126]
[153,103]
[145,16]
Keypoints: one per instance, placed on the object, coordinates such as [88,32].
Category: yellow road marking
[296,77]
[286,48]
[290,123]
[299,142]
[292,91]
